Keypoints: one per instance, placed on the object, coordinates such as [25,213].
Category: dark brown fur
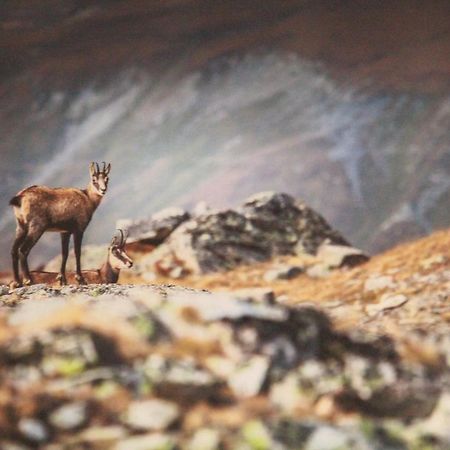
[39,209]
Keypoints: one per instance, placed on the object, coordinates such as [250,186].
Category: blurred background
[342,103]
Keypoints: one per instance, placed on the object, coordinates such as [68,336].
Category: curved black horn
[97,168]
[104,167]
[121,237]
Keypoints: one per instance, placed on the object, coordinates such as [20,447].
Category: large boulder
[266,225]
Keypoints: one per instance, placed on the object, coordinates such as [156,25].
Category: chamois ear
[92,169]
[107,169]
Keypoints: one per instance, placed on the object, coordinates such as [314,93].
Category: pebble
[33,429]
[69,416]
[151,414]
[152,441]
[283,273]
[248,380]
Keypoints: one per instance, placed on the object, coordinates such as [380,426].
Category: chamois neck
[108,273]
[93,195]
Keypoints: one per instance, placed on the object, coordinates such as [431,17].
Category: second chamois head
[99,177]
[118,258]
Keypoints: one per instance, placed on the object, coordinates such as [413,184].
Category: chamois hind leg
[65,238]
[21,234]
[33,235]
[78,238]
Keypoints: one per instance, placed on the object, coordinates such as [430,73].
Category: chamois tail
[17,199]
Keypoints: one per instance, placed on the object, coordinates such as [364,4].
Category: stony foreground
[147,367]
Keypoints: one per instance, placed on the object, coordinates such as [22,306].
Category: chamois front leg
[30,240]
[21,234]
[65,238]
[78,238]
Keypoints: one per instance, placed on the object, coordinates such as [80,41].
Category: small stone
[257,436]
[151,414]
[153,441]
[262,295]
[33,429]
[318,271]
[328,438]
[4,290]
[205,439]
[378,283]
[283,273]
[103,435]
[386,302]
[340,255]
[69,416]
[248,379]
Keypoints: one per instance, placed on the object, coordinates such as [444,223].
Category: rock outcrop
[267,224]
[188,369]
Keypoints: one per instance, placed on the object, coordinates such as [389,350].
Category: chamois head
[99,178]
[118,257]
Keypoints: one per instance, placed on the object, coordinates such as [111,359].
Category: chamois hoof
[15,284]
[62,279]
[27,282]
[80,280]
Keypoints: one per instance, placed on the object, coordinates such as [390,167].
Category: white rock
[151,414]
[378,283]
[33,429]
[248,379]
[328,438]
[153,441]
[386,302]
[205,439]
[69,416]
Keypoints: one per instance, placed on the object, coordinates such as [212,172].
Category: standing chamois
[116,260]
[65,210]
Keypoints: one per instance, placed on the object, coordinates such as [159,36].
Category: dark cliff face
[343,103]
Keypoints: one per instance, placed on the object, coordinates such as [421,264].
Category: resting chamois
[116,259]
[65,210]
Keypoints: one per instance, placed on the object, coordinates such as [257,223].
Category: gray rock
[154,414]
[155,229]
[69,416]
[283,273]
[340,255]
[265,225]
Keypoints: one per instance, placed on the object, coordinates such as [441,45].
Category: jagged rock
[155,229]
[340,255]
[283,273]
[154,414]
[266,224]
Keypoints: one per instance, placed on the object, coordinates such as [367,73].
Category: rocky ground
[309,345]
